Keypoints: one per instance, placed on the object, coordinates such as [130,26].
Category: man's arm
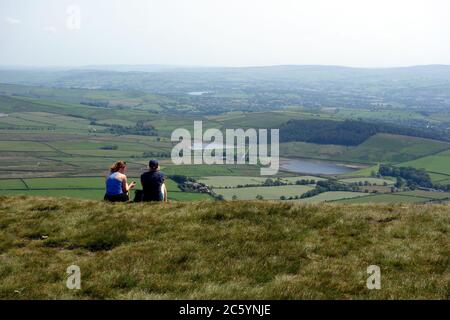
[165,193]
[163,181]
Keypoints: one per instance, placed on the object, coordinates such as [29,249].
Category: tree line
[348,132]
[412,177]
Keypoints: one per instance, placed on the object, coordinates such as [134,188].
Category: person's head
[153,165]
[119,166]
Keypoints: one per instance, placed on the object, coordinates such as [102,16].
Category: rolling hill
[395,148]
[378,148]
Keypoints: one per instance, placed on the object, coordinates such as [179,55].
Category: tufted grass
[222,250]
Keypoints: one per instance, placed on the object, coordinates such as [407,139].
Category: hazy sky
[364,33]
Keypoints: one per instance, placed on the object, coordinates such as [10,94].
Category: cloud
[11,20]
[50,29]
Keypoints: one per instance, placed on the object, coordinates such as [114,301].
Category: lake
[310,166]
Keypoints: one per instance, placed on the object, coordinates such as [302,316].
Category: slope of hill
[264,250]
[437,163]
[381,147]
[394,148]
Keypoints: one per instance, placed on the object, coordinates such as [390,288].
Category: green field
[97,194]
[50,121]
[91,194]
[383,198]
[401,197]
[17,104]
[390,115]
[378,148]
[66,183]
[314,151]
[439,178]
[119,122]
[234,181]
[82,187]
[188,196]
[428,194]
[388,148]
[13,121]
[373,181]
[438,163]
[71,183]
[23,146]
[275,193]
[207,170]
[260,119]
[331,196]
[97,148]
[12,184]
[377,189]
[97,145]
[113,98]
[361,173]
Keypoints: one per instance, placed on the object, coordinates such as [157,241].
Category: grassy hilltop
[229,249]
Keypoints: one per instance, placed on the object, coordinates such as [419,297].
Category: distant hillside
[348,132]
[379,148]
[221,250]
[260,88]
[393,149]
[319,72]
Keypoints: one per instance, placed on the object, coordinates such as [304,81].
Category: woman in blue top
[116,183]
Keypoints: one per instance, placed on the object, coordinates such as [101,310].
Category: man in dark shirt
[153,183]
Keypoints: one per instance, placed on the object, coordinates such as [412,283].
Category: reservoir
[310,166]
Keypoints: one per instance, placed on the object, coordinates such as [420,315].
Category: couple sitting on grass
[152,181]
